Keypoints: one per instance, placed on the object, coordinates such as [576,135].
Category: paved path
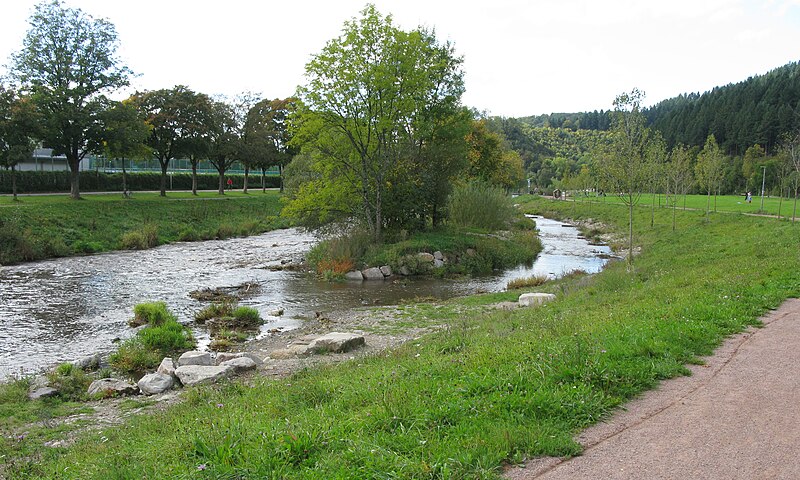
[737,417]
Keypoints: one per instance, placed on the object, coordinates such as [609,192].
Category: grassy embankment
[724,203]
[39,227]
[492,388]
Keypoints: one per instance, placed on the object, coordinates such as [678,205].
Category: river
[59,310]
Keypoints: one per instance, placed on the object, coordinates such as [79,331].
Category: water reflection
[58,310]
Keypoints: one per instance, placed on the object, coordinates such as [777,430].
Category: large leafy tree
[373,103]
[124,135]
[172,115]
[708,170]
[624,167]
[68,62]
[18,131]
[267,138]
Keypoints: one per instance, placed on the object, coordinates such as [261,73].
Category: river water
[59,310]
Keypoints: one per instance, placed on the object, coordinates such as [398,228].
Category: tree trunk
[221,182]
[708,203]
[14,181]
[794,208]
[280,174]
[194,177]
[674,204]
[653,209]
[246,176]
[164,177]
[124,180]
[263,180]
[74,178]
[780,201]
[630,232]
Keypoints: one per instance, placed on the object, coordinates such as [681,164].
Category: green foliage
[247,317]
[477,204]
[215,310]
[70,381]
[58,181]
[140,239]
[519,283]
[161,337]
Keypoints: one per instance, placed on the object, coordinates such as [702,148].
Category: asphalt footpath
[736,417]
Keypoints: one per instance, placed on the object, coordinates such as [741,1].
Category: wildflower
[202,467]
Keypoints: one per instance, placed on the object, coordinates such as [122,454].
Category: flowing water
[62,309]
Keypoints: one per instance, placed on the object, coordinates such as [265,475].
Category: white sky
[521,57]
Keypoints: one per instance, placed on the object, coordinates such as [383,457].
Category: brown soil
[734,418]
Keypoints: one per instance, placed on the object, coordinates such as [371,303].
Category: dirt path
[737,417]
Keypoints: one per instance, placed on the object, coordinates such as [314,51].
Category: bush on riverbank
[161,337]
[476,204]
[55,226]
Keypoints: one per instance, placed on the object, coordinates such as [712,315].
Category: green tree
[373,99]
[679,176]
[490,158]
[124,135]
[18,131]
[623,165]
[708,170]
[68,62]
[171,115]
[267,137]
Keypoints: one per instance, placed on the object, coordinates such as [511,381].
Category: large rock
[197,374]
[155,383]
[386,270]
[240,364]
[167,367]
[225,356]
[195,358]
[437,255]
[89,362]
[334,342]
[373,273]
[338,342]
[534,299]
[438,263]
[405,271]
[43,392]
[354,276]
[425,257]
[111,387]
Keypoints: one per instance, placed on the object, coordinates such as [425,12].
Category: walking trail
[736,417]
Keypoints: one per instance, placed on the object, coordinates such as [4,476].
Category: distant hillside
[755,111]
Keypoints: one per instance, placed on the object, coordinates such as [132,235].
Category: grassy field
[724,203]
[493,388]
[45,226]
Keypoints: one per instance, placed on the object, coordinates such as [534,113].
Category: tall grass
[479,205]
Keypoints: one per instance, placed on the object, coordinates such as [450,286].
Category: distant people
[230,183]
[748,197]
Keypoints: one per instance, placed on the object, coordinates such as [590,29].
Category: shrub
[225,231]
[133,357]
[145,237]
[479,205]
[215,310]
[167,338]
[247,317]
[151,313]
[70,381]
[336,256]
[188,235]
[533,281]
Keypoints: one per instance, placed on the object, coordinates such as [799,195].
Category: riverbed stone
[534,299]
[197,374]
[354,276]
[506,305]
[166,367]
[386,270]
[239,364]
[43,392]
[471,252]
[373,273]
[155,383]
[110,387]
[334,342]
[405,271]
[89,362]
[194,357]
[225,356]
[425,257]
[437,255]
[438,263]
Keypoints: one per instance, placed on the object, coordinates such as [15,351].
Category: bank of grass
[724,203]
[487,390]
[46,226]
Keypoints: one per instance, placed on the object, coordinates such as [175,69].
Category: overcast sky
[521,57]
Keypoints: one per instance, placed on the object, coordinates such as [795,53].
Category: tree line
[57,94]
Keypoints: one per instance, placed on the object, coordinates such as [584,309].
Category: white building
[44,161]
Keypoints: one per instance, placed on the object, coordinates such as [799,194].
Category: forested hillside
[754,111]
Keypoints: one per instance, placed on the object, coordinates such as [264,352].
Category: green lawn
[45,226]
[724,203]
[491,389]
